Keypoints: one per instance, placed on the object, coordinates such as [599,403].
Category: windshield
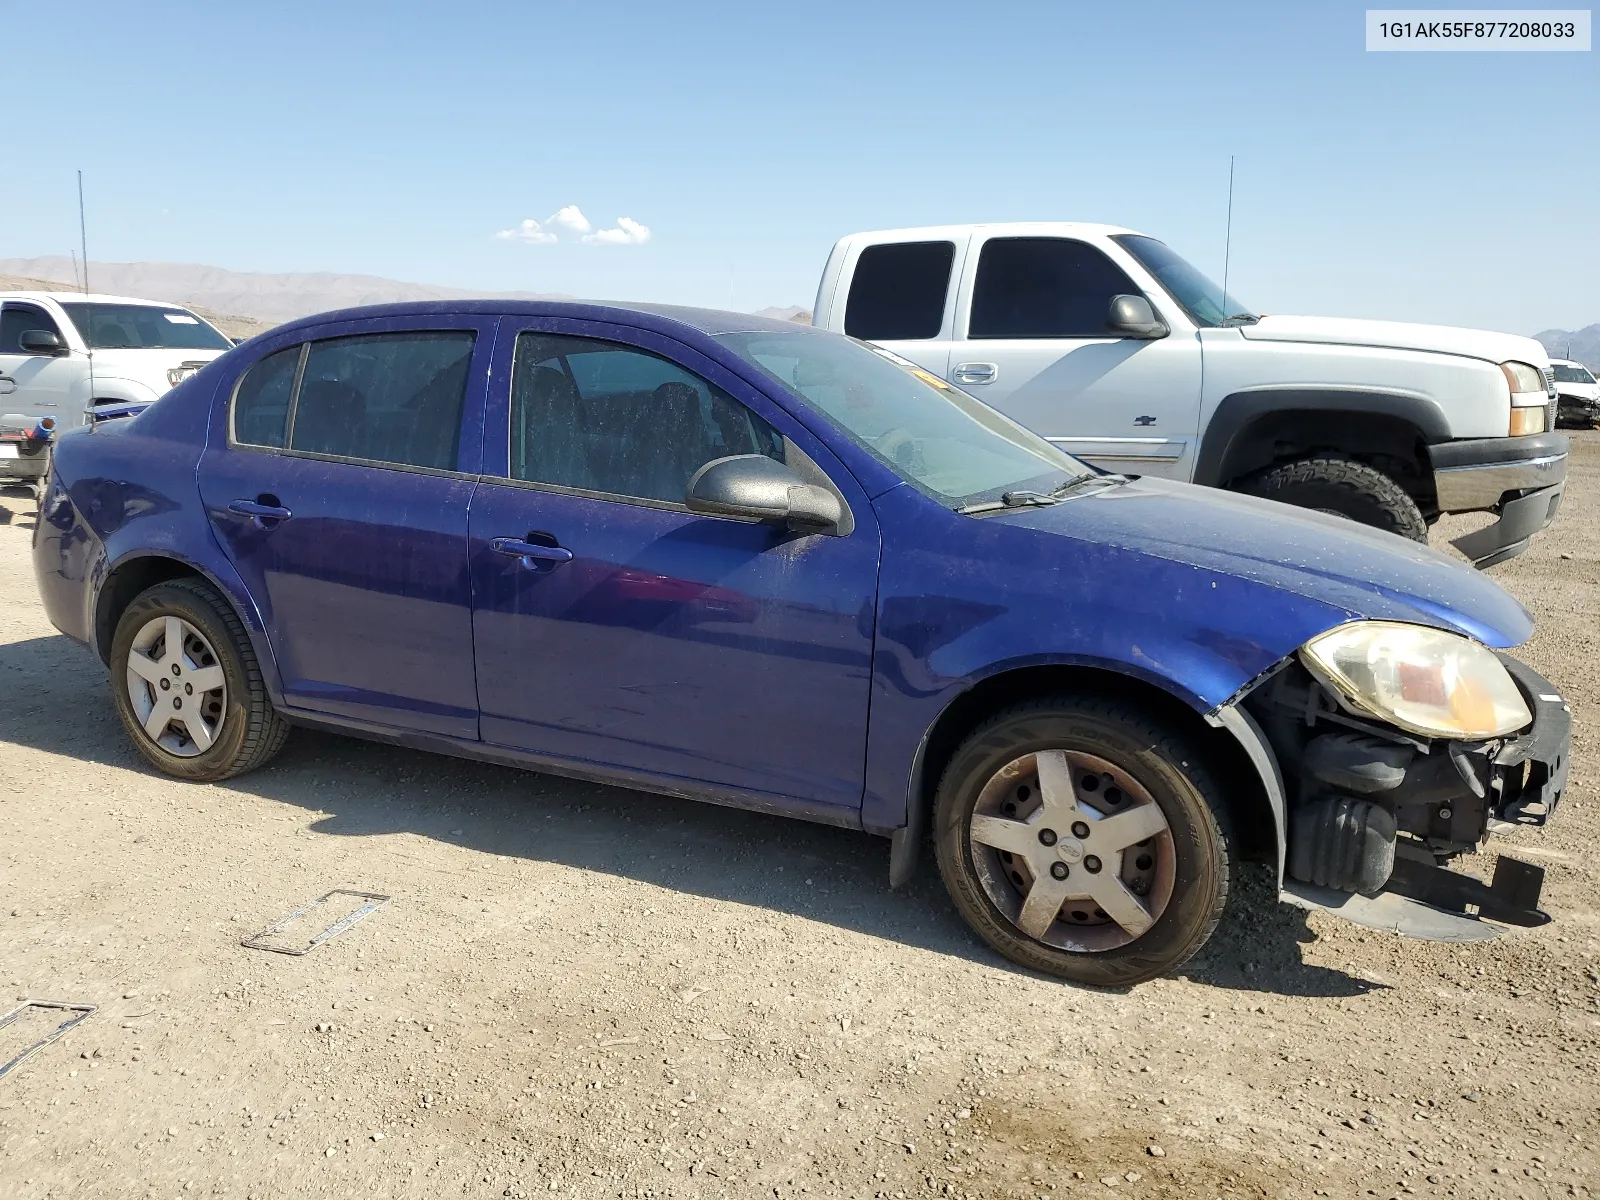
[935,437]
[1195,294]
[1572,374]
[142,327]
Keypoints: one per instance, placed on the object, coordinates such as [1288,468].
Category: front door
[616,628]
[1033,311]
[339,489]
[35,384]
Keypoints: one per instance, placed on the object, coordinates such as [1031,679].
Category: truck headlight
[1523,378]
[1426,681]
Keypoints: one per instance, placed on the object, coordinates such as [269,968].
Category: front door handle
[975,372]
[259,514]
[531,553]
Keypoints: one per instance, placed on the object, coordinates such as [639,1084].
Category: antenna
[1227,240]
[83,235]
[75,282]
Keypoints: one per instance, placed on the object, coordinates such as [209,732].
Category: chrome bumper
[1475,487]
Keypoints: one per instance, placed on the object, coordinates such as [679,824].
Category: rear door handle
[531,553]
[259,514]
[975,372]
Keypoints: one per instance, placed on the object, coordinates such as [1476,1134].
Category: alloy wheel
[176,685]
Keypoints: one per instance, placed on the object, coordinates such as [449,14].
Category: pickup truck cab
[1116,349]
[77,358]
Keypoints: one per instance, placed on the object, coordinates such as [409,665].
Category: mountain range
[1580,345]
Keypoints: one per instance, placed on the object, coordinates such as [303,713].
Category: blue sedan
[709,555]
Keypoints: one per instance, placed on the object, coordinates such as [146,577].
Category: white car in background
[77,357]
[1577,394]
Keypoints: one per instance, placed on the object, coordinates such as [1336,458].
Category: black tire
[250,730]
[1172,774]
[1344,488]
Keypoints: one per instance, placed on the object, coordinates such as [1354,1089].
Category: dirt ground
[582,991]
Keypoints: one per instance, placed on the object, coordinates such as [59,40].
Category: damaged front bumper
[1369,816]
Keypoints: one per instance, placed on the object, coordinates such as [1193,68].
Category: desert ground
[578,991]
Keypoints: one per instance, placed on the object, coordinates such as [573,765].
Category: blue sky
[397,139]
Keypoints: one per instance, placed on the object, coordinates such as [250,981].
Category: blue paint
[725,660]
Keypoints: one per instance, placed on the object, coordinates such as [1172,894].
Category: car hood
[1440,339]
[1348,571]
[148,367]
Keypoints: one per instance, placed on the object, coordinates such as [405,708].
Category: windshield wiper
[1073,485]
[1010,500]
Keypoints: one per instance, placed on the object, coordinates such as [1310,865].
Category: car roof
[1012,228]
[664,318]
[67,294]
[1568,362]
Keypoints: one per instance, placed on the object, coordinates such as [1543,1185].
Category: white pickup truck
[1112,346]
[77,357]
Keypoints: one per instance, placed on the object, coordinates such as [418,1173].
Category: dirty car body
[713,556]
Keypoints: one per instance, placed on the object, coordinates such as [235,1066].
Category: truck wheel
[1345,489]
[1080,838]
[188,687]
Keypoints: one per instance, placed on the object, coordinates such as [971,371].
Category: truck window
[898,291]
[18,319]
[1040,287]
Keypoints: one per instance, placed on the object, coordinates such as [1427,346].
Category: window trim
[970,291]
[288,451]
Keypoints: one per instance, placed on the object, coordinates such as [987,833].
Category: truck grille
[1549,374]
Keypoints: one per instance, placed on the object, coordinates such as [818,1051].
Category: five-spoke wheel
[1081,838]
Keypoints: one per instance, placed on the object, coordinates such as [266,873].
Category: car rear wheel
[188,687]
[1345,489]
[1081,838]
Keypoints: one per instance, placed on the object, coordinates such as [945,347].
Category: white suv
[1112,346]
[1577,394]
[77,357]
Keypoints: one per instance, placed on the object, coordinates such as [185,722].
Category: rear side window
[18,319]
[1044,288]
[898,291]
[385,397]
[261,405]
[599,416]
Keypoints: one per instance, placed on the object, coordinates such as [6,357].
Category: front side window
[936,437]
[18,319]
[1042,287]
[599,416]
[897,292]
[141,327]
[1572,374]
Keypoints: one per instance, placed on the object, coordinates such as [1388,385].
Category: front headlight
[1424,680]
[1523,378]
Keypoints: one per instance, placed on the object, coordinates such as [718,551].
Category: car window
[898,291]
[1039,287]
[599,416]
[384,397]
[18,319]
[142,327]
[1566,374]
[261,401]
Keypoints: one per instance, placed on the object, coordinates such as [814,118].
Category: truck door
[36,383]
[900,298]
[1031,340]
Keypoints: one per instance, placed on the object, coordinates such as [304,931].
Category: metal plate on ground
[260,940]
[82,1011]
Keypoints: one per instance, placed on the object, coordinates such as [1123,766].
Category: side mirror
[1132,317]
[41,341]
[762,489]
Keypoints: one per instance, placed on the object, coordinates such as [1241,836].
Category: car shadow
[825,874]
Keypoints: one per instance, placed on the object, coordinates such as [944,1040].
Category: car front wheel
[188,687]
[1081,838]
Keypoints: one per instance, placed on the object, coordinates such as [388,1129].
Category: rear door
[616,628]
[901,297]
[1031,319]
[338,481]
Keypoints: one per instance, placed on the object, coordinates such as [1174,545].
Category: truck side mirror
[41,341]
[1132,317]
[757,487]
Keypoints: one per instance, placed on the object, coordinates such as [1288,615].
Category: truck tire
[1344,488]
[1083,838]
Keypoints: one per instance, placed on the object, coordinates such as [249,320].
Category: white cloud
[627,233]
[530,231]
[570,218]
